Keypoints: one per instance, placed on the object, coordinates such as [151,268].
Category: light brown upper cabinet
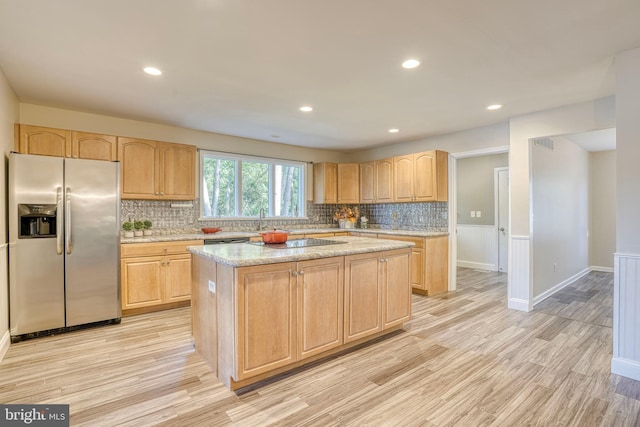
[93,146]
[44,141]
[325,183]
[421,177]
[155,170]
[65,143]
[348,183]
[376,181]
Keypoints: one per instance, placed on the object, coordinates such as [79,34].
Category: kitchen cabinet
[65,143]
[348,183]
[325,183]
[429,263]
[421,177]
[154,170]
[93,146]
[155,275]
[287,312]
[376,293]
[44,141]
[270,318]
[376,181]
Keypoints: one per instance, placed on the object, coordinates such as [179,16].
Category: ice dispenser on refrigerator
[36,221]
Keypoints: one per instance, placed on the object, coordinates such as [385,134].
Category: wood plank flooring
[464,360]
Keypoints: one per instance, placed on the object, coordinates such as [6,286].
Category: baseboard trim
[5,342]
[601,269]
[546,294]
[477,265]
[518,304]
[626,368]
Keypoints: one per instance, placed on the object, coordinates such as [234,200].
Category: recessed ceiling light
[410,63]
[306,108]
[494,107]
[394,130]
[152,70]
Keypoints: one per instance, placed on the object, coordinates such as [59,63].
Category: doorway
[501,179]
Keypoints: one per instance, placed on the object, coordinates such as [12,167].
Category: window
[240,186]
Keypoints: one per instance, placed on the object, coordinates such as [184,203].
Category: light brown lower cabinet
[429,261]
[271,318]
[155,276]
[376,294]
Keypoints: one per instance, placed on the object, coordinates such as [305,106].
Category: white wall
[475,181]
[602,217]
[626,299]
[560,225]
[9,113]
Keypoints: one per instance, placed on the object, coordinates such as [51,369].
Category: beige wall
[602,224]
[475,182]
[8,116]
[68,119]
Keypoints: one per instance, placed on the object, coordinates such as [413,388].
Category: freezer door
[36,270]
[92,241]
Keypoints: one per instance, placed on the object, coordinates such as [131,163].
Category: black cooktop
[297,243]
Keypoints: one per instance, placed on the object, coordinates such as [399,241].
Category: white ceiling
[244,67]
[598,140]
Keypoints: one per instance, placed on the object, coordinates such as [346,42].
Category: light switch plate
[478,214]
[212,286]
[473,214]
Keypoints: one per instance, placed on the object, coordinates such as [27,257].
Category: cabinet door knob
[161,193]
[301,272]
[294,273]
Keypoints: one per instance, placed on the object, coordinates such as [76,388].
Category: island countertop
[234,234]
[245,254]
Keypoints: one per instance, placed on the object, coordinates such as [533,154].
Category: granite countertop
[245,254]
[234,234]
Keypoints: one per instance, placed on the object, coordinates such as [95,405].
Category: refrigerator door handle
[67,221]
[59,220]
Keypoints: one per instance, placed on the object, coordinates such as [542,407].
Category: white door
[503,217]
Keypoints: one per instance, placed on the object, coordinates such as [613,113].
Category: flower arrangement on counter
[350,214]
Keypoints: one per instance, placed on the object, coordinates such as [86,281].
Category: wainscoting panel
[478,246]
[519,274]
[626,316]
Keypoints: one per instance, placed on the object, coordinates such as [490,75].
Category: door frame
[453,206]
[496,198]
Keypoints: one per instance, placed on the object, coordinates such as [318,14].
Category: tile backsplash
[412,216]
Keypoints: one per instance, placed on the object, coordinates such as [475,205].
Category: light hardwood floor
[464,360]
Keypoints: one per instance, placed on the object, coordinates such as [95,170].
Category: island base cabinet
[288,312]
[275,317]
[320,300]
[266,318]
[363,296]
[396,270]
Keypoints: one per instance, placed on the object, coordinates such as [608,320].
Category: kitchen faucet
[261,219]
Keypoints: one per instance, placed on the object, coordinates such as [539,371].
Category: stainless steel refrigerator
[64,243]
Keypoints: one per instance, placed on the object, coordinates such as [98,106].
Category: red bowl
[275,236]
[211,230]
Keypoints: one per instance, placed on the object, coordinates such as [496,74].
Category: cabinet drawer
[157,248]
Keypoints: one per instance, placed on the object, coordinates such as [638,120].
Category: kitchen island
[259,311]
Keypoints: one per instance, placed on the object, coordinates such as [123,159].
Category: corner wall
[576,118]
[9,114]
[602,218]
[626,295]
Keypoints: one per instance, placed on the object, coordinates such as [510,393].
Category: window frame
[272,163]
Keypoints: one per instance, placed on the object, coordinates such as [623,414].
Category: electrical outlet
[212,286]
[473,214]
[478,214]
